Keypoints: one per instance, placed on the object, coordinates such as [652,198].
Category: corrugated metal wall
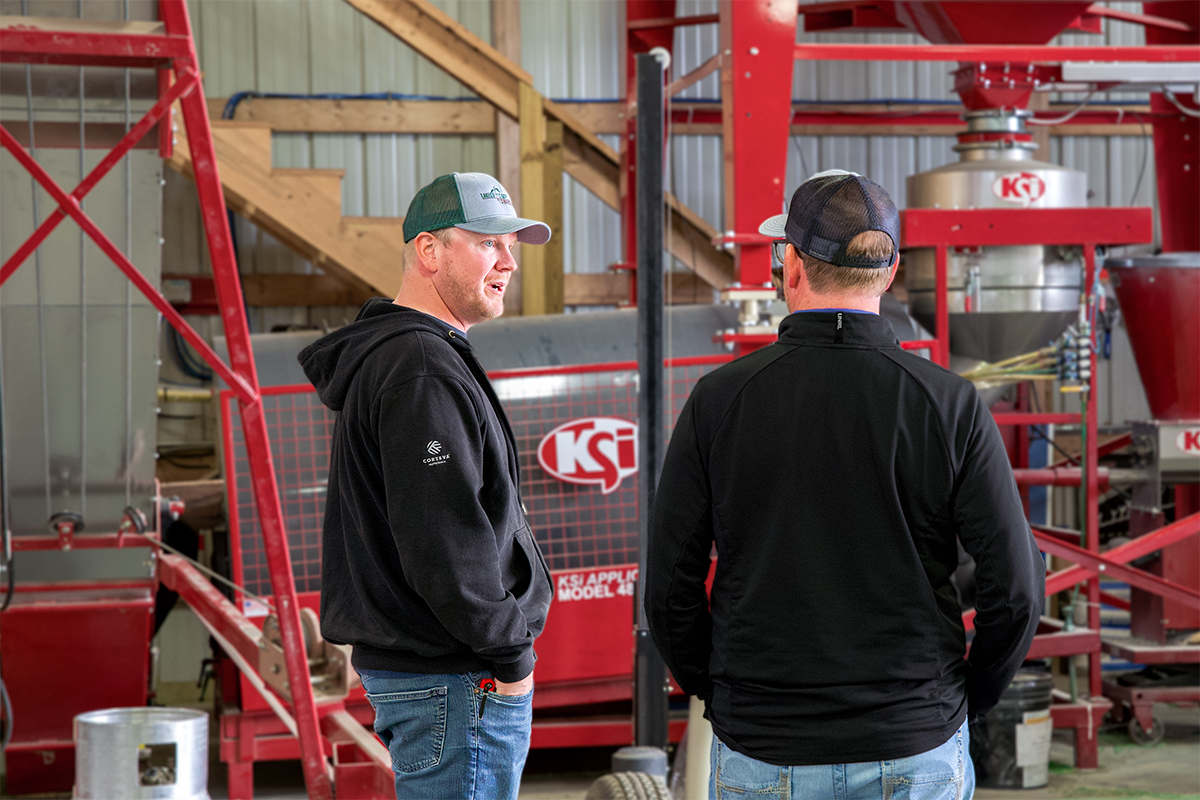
[572,50]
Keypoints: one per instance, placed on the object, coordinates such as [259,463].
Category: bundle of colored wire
[1039,365]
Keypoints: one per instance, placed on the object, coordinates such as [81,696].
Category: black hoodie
[428,563]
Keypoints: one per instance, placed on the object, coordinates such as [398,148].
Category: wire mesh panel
[577,526]
[299,427]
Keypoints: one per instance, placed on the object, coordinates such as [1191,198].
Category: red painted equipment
[1159,299]
[168,48]
[588,536]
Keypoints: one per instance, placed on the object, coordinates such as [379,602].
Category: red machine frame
[169,49]
[758,38]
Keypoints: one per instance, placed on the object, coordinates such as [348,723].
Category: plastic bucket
[1011,749]
[141,754]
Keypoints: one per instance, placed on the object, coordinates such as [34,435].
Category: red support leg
[1022,442]
[757,41]
[941,353]
[240,780]
[637,40]
[1092,519]
[317,775]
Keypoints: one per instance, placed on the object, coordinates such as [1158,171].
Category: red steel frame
[173,50]
[755,116]
[942,229]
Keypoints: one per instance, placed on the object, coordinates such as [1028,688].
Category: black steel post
[650,673]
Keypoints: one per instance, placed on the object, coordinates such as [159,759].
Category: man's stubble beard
[470,303]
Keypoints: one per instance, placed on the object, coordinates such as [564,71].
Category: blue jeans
[441,746]
[943,773]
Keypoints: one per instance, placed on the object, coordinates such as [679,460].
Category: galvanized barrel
[141,754]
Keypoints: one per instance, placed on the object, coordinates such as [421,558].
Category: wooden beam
[302,290]
[499,81]
[599,117]
[448,44]
[552,215]
[689,239]
[603,289]
[598,174]
[473,117]
[533,191]
[462,117]
[612,289]
[1039,102]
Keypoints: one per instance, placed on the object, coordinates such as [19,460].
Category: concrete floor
[1170,769]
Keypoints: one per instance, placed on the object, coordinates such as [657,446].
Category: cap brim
[774,226]
[528,231]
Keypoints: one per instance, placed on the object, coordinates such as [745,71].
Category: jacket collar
[837,327]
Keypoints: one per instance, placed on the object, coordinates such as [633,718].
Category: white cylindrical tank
[1003,300]
[141,754]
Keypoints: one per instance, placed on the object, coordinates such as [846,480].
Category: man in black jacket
[429,568]
[834,470]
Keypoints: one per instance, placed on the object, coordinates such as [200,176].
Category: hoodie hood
[332,361]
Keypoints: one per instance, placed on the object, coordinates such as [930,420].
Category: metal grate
[300,427]
[576,526]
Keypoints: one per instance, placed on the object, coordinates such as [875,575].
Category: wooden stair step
[386,229]
[327,181]
[252,139]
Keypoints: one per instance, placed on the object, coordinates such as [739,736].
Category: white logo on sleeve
[437,457]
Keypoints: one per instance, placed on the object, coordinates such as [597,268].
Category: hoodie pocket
[532,555]
[537,560]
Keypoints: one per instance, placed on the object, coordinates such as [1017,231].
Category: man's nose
[507,261]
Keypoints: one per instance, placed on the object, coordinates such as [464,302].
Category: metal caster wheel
[628,786]
[1143,737]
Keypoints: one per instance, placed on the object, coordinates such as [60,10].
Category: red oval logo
[598,451]
[1022,188]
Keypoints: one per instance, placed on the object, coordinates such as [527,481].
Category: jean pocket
[939,767]
[513,700]
[743,776]
[412,725]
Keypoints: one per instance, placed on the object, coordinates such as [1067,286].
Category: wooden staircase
[301,207]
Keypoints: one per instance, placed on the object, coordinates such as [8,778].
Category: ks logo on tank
[1188,441]
[1022,188]
[593,450]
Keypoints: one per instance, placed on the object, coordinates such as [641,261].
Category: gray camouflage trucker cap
[831,208]
[472,201]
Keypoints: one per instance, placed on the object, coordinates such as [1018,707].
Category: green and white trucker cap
[472,201]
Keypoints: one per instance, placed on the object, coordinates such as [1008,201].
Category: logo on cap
[596,450]
[1022,188]
[496,194]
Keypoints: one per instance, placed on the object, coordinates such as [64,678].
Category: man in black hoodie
[429,569]
[834,470]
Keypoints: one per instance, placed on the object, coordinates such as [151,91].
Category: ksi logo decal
[594,450]
[1022,188]
[1188,441]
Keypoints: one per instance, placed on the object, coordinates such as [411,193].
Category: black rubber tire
[628,786]
[1145,738]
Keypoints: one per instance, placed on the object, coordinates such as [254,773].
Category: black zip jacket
[428,562]
[833,470]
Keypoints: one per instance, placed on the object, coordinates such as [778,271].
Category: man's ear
[894,268]
[427,251]
[793,266]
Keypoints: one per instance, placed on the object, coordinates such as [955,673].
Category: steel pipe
[1070,476]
